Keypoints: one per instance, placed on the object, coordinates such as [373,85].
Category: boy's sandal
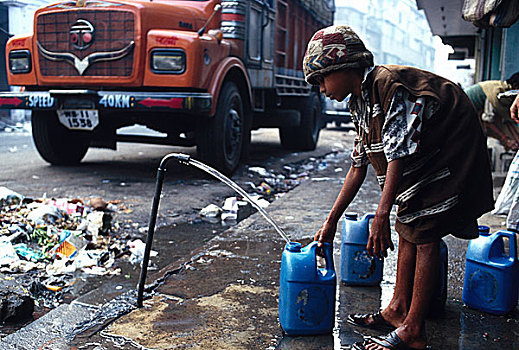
[379,323]
[391,341]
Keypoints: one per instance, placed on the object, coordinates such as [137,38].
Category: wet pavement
[128,179]
[224,295]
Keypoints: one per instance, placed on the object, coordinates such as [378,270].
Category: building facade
[394,30]
[16,18]
[494,48]
[492,45]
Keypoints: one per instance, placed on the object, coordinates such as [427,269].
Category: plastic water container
[440,294]
[358,268]
[306,291]
[491,274]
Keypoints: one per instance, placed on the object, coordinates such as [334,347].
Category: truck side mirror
[217,34]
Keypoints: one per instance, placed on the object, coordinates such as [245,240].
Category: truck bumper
[331,116]
[182,102]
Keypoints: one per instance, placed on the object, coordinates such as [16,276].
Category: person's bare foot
[412,338]
[393,317]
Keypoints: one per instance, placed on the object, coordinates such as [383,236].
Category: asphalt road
[128,175]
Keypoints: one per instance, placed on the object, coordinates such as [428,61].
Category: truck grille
[112,31]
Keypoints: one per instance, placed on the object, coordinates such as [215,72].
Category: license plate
[79,119]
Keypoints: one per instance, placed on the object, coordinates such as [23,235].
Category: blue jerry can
[440,293]
[491,282]
[358,268]
[306,291]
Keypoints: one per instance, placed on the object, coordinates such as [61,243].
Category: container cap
[484,230]
[293,247]
[351,216]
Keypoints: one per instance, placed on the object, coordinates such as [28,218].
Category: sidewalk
[225,296]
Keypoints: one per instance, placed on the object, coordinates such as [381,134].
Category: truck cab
[202,73]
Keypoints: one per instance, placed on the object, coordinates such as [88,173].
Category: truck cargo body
[202,73]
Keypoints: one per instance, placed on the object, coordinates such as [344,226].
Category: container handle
[328,256]
[327,248]
[512,245]
[367,217]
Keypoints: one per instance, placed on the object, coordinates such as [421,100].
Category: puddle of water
[172,242]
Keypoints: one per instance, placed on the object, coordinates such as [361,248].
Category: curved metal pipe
[183,159]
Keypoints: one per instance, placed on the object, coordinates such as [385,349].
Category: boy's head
[334,48]
[514,81]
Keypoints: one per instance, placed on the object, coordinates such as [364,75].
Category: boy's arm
[380,236]
[514,109]
[352,183]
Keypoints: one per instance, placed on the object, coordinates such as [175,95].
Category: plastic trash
[69,244]
[71,208]
[259,171]
[16,231]
[9,197]
[7,252]
[87,258]
[264,188]
[99,222]
[137,248]
[262,202]
[28,253]
[46,214]
[61,265]
[95,270]
[235,210]
[211,211]
[230,209]
[20,266]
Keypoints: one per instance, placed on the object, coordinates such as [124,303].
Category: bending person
[422,136]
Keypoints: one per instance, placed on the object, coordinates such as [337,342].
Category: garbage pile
[50,239]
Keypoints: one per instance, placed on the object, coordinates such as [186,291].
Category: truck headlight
[168,61]
[20,61]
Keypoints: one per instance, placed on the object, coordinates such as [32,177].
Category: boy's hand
[380,237]
[326,233]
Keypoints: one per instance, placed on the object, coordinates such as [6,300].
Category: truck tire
[220,139]
[55,143]
[305,136]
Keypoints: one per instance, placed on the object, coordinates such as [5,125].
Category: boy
[422,136]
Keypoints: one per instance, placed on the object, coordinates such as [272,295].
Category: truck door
[260,34]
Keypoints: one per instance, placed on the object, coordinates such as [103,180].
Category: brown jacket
[447,184]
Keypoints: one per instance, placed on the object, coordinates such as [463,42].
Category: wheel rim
[232,132]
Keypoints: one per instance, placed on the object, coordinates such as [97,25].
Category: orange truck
[200,73]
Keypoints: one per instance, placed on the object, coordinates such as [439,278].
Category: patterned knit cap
[334,48]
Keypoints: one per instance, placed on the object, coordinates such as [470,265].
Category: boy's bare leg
[412,330]
[398,307]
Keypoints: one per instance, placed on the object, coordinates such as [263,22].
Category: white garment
[507,202]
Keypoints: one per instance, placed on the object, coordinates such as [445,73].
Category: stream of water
[215,173]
